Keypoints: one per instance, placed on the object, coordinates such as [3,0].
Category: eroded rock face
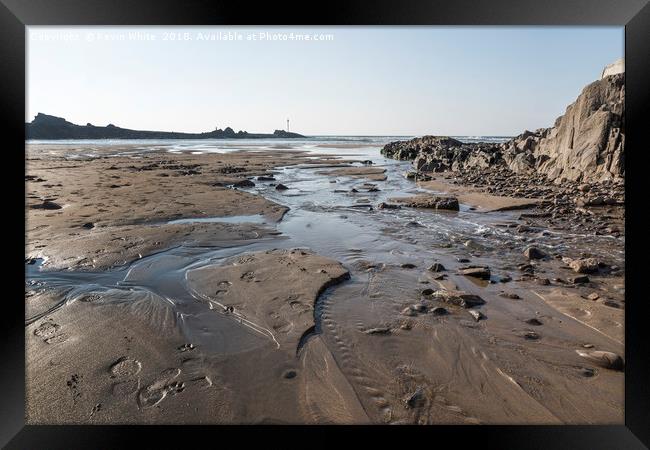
[585,144]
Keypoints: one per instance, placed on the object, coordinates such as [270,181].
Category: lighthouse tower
[287,125]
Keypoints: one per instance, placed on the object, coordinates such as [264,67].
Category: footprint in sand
[248,276]
[125,367]
[90,298]
[163,385]
[50,332]
[74,386]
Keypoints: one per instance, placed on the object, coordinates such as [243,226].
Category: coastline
[126,320]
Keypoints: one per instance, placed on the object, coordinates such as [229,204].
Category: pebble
[439,311]
[437,267]
[531,335]
[534,253]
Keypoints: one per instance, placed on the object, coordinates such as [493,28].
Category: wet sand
[475,198]
[307,306]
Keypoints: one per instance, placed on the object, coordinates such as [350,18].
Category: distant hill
[51,127]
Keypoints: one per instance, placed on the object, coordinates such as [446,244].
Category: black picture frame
[15,15]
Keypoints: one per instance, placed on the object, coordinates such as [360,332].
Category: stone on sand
[482,272]
[458,298]
[534,253]
[582,265]
[437,267]
[604,359]
[244,183]
[429,201]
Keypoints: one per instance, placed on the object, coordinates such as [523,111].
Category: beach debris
[437,267]
[477,315]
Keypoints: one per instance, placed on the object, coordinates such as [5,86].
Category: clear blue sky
[365,80]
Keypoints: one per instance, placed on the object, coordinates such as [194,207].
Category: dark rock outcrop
[429,202]
[585,144]
[50,127]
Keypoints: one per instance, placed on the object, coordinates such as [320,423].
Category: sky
[458,81]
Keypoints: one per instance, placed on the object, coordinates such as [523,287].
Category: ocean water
[343,146]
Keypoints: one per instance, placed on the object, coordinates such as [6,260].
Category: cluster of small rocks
[595,208]
[576,167]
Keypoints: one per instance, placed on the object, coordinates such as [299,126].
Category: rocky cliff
[51,127]
[585,144]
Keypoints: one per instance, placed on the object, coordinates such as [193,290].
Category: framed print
[258,218]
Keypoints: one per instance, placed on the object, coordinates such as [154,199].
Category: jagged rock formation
[585,144]
[617,66]
[51,127]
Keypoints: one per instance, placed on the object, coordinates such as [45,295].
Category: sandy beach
[269,286]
